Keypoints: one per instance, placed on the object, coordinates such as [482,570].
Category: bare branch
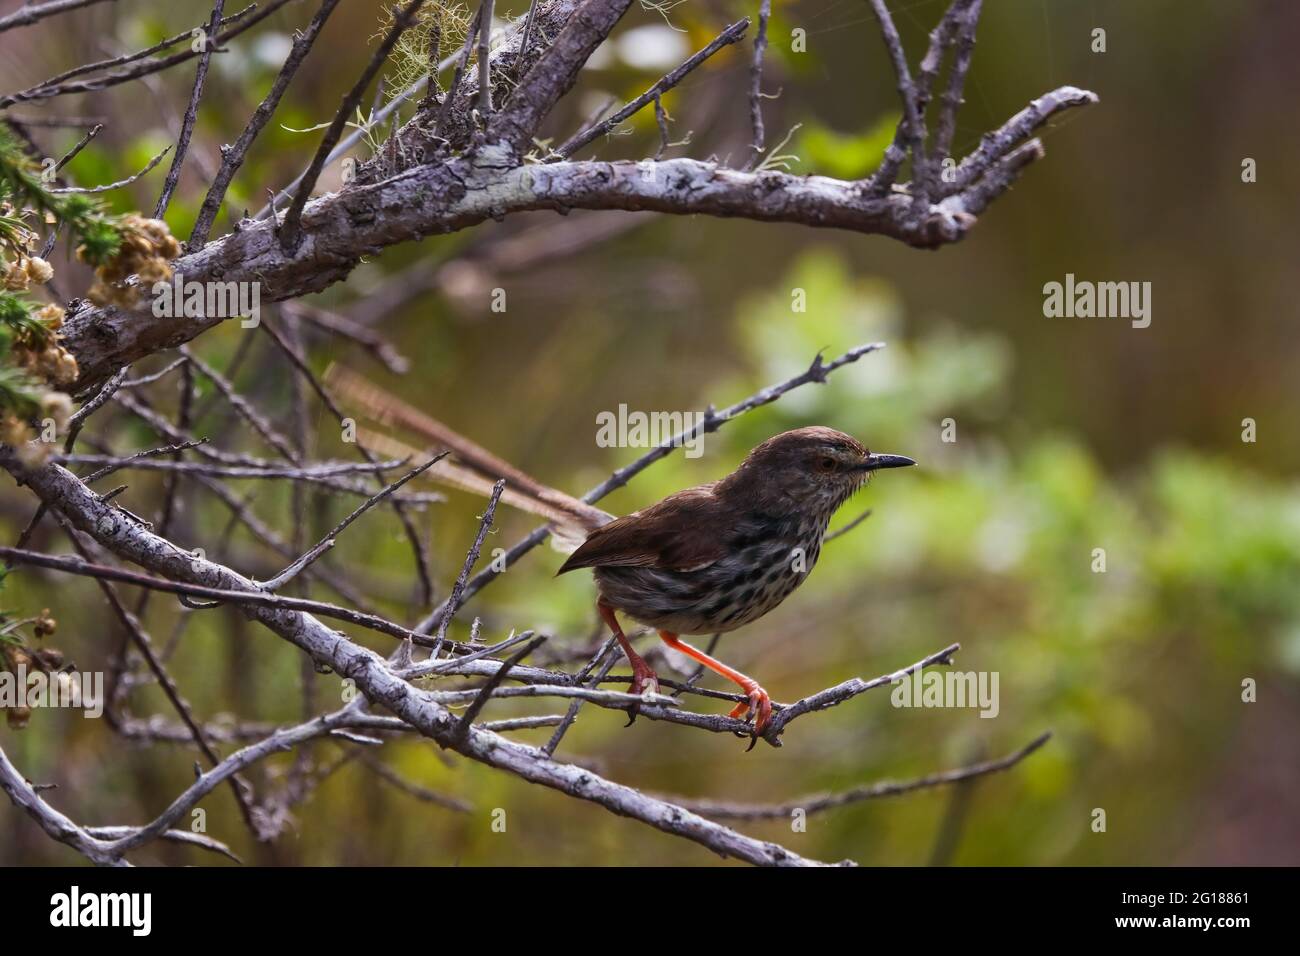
[55,87]
[467,190]
[838,532]
[817,803]
[996,145]
[183,37]
[526,40]
[423,794]
[243,407]
[833,696]
[54,823]
[30,13]
[254,597]
[144,646]
[547,683]
[756,85]
[418,551]
[71,154]
[312,473]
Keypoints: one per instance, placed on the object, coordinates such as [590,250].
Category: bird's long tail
[469,466]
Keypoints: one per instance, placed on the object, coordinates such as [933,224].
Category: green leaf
[824,151]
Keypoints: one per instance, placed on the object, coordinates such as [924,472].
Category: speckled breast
[764,562]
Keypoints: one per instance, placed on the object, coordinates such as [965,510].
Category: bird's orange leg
[644,678]
[759,703]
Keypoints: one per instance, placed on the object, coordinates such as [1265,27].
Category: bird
[705,560]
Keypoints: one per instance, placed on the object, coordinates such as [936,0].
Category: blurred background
[1071,435]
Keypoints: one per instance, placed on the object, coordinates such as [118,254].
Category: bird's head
[817,466]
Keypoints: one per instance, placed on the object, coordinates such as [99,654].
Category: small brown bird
[705,560]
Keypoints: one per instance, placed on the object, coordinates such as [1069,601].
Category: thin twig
[375,344]
[731,34]
[327,542]
[966,19]
[756,86]
[527,39]
[119,464]
[291,227]
[431,668]
[418,550]
[73,565]
[232,157]
[571,715]
[423,794]
[462,63]
[81,144]
[913,128]
[848,527]
[471,558]
[486,692]
[91,190]
[485,61]
[51,88]
[817,803]
[144,647]
[30,13]
[314,472]
[151,378]
[192,111]
[183,37]
[243,407]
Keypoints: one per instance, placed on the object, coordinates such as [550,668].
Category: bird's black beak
[874,462]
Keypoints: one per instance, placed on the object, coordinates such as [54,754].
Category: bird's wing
[666,535]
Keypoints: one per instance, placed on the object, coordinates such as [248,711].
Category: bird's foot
[758,707]
[644,682]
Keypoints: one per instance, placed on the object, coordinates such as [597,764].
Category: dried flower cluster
[146,251]
[33,349]
[19,659]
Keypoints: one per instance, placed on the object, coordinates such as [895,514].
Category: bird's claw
[756,708]
[643,683]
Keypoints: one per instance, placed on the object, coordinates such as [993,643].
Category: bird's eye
[827,464]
